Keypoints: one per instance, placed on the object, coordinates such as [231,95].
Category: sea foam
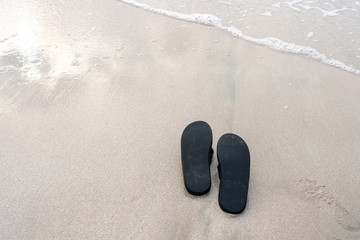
[271,42]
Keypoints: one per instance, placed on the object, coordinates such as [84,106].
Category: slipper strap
[210,155]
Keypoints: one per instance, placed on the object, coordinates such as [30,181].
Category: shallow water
[330,27]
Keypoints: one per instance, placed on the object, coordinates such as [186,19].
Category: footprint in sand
[314,193]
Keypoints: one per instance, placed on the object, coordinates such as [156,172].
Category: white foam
[271,42]
[267,13]
[276,5]
[75,62]
[327,13]
[35,60]
[310,35]
[291,4]
[207,19]
[225,3]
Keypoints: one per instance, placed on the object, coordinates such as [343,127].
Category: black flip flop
[196,155]
[234,171]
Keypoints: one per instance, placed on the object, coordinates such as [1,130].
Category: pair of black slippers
[234,165]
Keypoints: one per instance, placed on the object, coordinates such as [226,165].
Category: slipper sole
[234,172]
[196,154]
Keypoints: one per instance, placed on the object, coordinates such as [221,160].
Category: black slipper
[234,171]
[196,155]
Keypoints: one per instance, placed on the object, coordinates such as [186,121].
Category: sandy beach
[94,98]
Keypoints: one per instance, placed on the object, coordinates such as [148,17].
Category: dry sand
[91,149]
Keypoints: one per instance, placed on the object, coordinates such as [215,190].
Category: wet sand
[90,149]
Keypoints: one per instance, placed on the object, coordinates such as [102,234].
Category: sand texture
[94,98]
